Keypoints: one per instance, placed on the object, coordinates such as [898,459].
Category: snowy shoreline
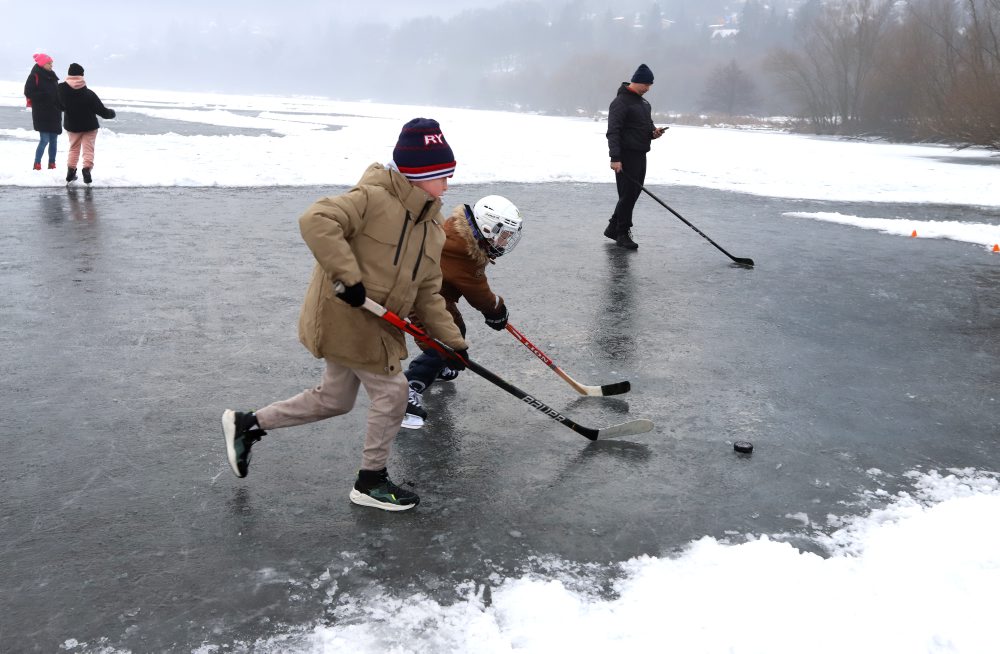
[299,141]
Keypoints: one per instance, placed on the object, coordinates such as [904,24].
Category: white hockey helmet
[499,223]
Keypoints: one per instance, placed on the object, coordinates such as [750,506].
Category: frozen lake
[132,317]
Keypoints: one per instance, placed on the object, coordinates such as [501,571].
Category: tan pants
[78,140]
[335,396]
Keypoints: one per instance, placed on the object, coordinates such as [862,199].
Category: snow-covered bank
[984,234]
[918,575]
[312,141]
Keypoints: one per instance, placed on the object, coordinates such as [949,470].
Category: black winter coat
[630,123]
[41,89]
[82,107]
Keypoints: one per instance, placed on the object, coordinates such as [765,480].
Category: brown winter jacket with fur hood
[463,265]
[387,233]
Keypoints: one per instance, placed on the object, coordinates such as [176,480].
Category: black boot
[611,231]
[86,176]
[624,240]
[70,174]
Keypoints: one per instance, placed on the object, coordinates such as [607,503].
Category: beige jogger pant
[335,396]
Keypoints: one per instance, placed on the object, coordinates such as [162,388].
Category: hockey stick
[624,429]
[743,261]
[607,389]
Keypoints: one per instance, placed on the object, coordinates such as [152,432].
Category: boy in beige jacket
[381,239]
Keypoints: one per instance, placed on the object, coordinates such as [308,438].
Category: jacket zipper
[399,246]
[420,255]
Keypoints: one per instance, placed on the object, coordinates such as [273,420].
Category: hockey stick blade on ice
[599,391]
[743,261]
[630,428]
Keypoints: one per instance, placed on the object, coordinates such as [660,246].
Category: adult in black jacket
[82,108]
[46,113]
[630,131]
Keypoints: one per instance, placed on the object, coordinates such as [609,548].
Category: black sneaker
[70,174]
[448,374]
[624,240]
[86,176]
[241,431]
[611,231]
[373,488]
[415,404]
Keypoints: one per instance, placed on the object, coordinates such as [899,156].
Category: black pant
[629,181]
[426,366]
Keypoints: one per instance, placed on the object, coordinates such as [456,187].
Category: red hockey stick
[607,389]
[624,429]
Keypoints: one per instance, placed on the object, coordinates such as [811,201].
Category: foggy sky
[547,55]
[89,32]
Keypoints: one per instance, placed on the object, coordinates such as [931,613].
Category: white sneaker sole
[229,431]
[411,421]
[367,500]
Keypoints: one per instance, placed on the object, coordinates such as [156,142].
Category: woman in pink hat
[41,89]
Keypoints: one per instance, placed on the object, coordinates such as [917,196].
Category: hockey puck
[743,447]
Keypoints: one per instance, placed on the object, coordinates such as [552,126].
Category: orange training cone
[914,234]
[996,247]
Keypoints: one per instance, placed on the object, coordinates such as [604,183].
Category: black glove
[353,295]
[498,321]
[455,363]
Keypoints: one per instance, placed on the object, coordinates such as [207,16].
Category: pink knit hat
[41,59]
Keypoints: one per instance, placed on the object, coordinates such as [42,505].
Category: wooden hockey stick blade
[583,389]
[616,389]
[592,391]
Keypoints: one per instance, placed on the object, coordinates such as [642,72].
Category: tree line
[916,70]
[907,70]
[903,69]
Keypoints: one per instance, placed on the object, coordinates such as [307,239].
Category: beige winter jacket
[386,233]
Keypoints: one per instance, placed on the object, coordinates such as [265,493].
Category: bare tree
[976,92]
[729,90]
[958,68]
[838,51]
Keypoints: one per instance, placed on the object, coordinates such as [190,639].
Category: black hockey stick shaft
[743,261]
[488,375]
[624,429]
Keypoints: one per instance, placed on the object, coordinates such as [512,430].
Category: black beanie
[421,153]
[643,75]
[75,69]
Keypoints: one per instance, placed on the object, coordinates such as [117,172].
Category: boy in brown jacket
[475,237]
[382,239]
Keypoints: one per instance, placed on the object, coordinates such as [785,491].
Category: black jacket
[41,89]
[82,107]
[630,123]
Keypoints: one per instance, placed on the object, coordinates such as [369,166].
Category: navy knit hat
[75,69]
[643,75]
[421,153]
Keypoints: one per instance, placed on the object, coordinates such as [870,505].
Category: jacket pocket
[379,248]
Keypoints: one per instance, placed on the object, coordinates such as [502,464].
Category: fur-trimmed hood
[460,240]
[463,265]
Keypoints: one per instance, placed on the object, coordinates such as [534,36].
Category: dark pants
[425,367]
[634,167]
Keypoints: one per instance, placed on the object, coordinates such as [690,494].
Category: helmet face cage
[499,222]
